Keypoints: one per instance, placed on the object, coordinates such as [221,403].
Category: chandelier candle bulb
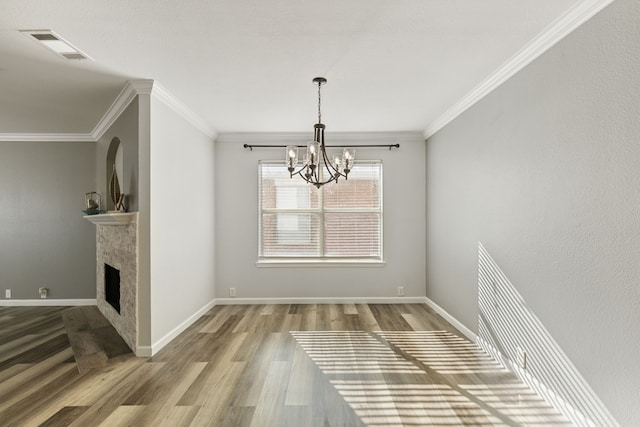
[292,158]
[313,150]
[348,155]
[336,162]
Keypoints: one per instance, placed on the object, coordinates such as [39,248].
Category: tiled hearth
[116,245]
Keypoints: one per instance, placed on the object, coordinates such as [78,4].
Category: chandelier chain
[319,111]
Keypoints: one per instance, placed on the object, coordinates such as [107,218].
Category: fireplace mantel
[111,218]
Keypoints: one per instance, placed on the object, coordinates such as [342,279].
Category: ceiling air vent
[73,55]
[57,44]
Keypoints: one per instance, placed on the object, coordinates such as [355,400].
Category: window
[340,221]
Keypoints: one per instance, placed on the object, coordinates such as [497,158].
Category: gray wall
[181,219]
[544,174]
[236,172]
[44,241]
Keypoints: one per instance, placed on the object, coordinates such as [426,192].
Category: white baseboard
[158,345]
[148,351]
[143,351]
[360,300]
[557,401]
[45,302]
[449,318]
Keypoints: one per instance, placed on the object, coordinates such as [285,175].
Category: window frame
[321,210]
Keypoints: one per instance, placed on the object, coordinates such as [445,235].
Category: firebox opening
[112,286]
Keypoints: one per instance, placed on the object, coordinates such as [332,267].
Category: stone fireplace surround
[117,245]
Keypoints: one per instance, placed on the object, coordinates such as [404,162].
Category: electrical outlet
[7,293]
[400,291]
[44,292]
[232,292]
[521,356]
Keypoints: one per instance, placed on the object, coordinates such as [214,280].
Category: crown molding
[160,93]
[334,138]
[128,93]
[46,137]
[551,35]
[130,90]
[142,86]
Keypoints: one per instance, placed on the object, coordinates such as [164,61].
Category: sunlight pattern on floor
[444,352]
[423,378]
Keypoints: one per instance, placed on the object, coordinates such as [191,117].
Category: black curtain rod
[390,146]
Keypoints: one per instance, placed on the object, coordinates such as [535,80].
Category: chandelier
[316,160]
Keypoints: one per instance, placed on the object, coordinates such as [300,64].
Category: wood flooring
[262,365]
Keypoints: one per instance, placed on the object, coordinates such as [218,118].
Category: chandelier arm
[315,180]
[327,164]
[305,168]
[312,175]
[335,173]
[299,173]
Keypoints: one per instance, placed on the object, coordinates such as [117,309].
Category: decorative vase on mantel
[92,203]
[114,191]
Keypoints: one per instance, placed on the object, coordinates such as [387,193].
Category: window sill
[319,263]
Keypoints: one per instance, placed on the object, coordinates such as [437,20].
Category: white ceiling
[247,65]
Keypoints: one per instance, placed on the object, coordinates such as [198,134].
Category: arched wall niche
[119,145]
[114,157]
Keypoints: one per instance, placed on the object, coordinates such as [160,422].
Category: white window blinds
[339,220]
